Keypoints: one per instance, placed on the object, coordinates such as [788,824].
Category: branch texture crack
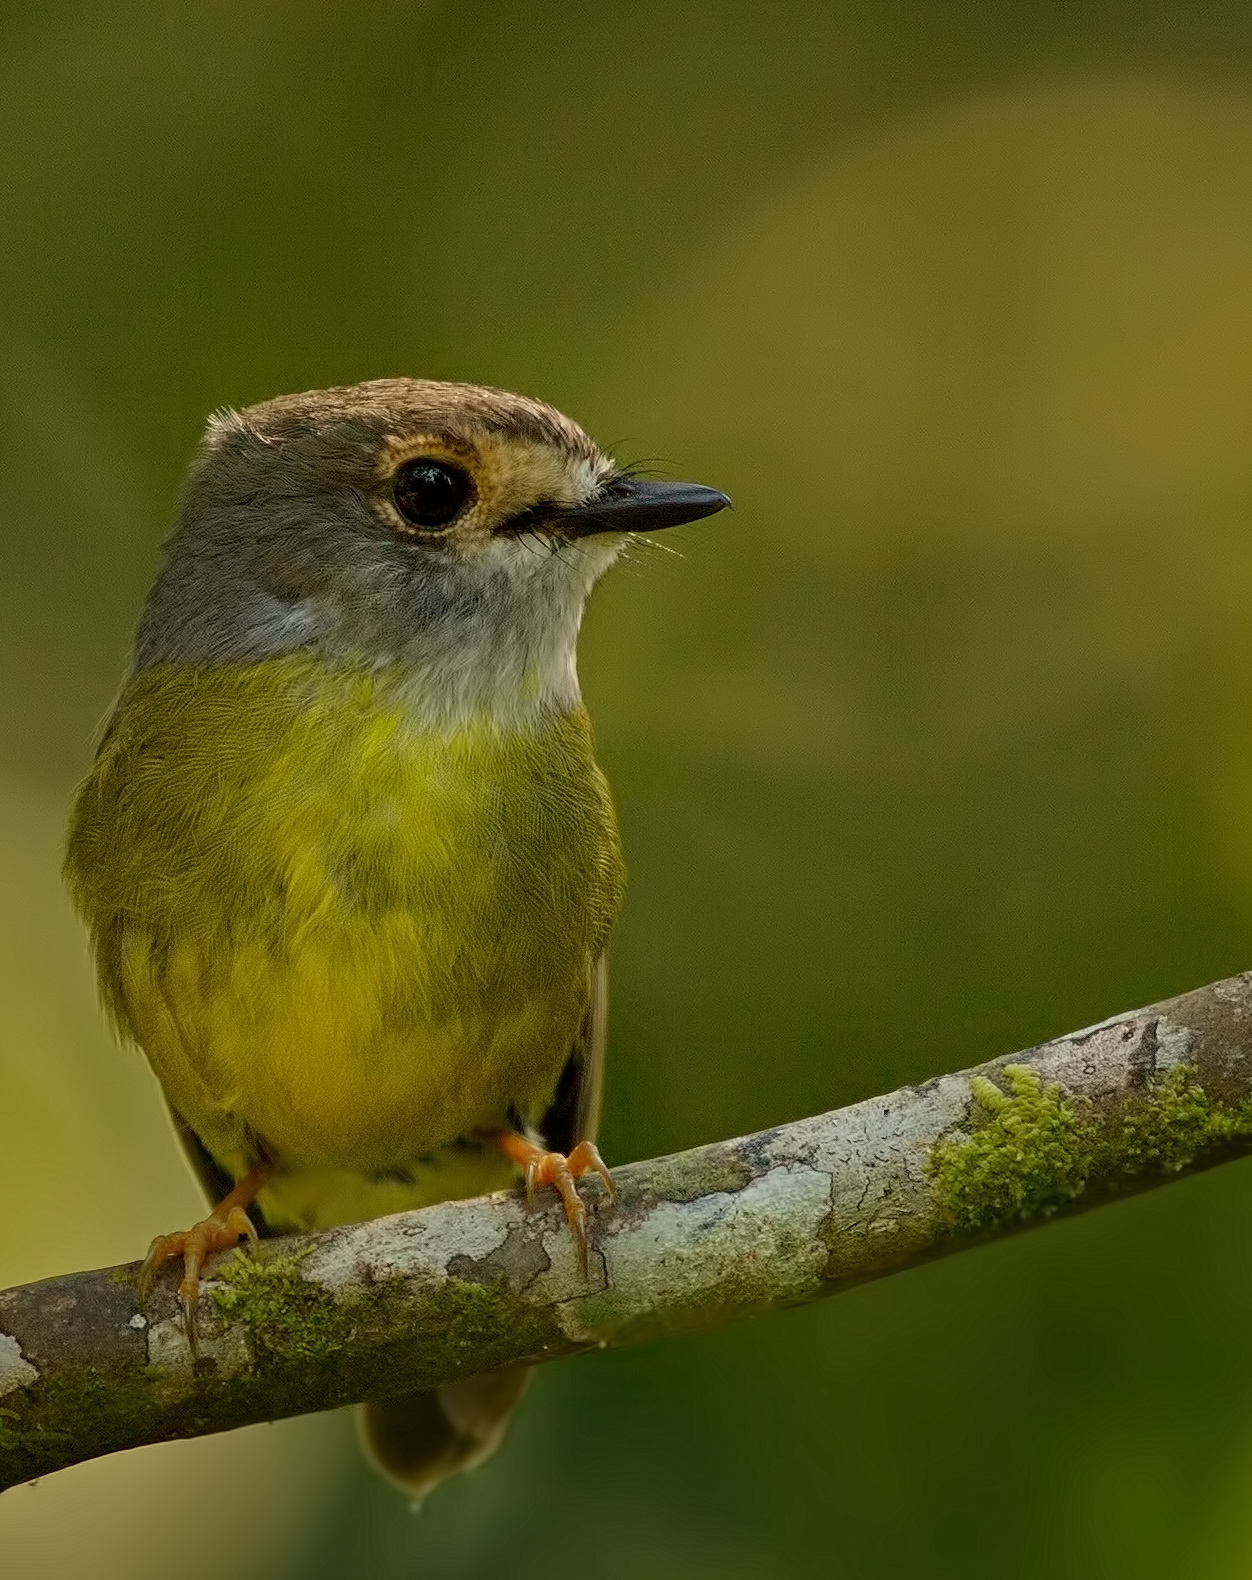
[739,1227]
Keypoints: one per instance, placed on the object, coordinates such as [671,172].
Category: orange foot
[554,1168]
[225,1226]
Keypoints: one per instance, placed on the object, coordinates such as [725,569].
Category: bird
[346,860]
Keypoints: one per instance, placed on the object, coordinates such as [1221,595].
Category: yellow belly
[338,937]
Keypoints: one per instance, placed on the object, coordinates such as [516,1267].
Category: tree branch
[770,1220]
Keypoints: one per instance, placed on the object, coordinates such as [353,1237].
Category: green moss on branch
[1026,1155]
[1031,1149]
[1173,1122]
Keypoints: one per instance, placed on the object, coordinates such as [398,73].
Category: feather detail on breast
[329,928]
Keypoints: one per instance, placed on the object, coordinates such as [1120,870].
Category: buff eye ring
[430,494]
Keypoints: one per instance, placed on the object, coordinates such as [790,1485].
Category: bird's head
[451,529]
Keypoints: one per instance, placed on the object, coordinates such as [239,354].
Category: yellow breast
[329,930]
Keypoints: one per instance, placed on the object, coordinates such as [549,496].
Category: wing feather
[574,1113]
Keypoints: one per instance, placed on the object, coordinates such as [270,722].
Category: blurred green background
[940,745]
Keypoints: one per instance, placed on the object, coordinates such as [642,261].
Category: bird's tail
[418,1439]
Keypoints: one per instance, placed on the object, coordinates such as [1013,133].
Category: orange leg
[554,1168]
[225,1226]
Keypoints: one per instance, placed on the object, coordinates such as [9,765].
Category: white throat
[510,653]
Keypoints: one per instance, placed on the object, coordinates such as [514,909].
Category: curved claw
[189,1306]
[561,1172]
[586,1159]
[225,1226]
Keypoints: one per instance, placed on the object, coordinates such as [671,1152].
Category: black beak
[633,504]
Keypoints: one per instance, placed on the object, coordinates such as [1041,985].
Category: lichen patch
[406,1246]
[167,1345]
[15,1370]
[723,1248]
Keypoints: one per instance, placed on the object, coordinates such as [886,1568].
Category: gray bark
[769,1220]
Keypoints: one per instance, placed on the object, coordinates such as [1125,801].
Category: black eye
[429,493]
